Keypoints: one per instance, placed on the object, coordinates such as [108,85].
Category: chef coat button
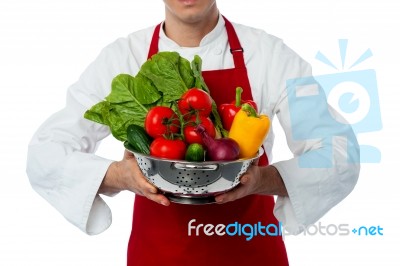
[218,51]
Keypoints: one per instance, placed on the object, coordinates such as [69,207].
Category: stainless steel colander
[192,182]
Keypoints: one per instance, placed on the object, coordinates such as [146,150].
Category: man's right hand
[126,175]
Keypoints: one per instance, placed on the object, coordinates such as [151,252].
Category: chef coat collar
[209,38]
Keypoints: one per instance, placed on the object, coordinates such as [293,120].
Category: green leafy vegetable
[99,113]
[118,116]
[126,88]
[200,83]
[164,70]
[186,72]
[161,80]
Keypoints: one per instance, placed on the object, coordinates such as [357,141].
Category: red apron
[160,235]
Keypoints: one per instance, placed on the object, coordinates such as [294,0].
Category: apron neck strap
[234,44]
[154,42]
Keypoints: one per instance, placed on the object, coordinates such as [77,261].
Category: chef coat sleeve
[61,164]
[325,166]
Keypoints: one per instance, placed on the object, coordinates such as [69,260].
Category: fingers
[151,192]
[159,198]
[139,184]
[242,190]
[237,193]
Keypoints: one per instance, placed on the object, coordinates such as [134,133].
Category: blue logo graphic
[353,95]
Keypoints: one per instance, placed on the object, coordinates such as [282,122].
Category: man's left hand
[257,180]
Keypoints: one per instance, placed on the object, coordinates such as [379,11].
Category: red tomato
[195,100]
[190,134]
[168,148]
[161,120]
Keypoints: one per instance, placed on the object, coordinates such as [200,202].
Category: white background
[46,44]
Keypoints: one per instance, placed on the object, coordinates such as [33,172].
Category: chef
[63,168]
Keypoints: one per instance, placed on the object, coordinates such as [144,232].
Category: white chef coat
[63,168]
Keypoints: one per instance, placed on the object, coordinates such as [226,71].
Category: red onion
[223,149]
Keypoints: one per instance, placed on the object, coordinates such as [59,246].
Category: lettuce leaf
[126,88]
[160,81]
[170,73]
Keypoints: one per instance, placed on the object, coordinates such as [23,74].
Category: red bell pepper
[228,111]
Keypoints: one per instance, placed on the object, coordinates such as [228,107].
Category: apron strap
[234,44]
[233,40]
[154,42]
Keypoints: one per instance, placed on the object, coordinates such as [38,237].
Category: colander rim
[129,148]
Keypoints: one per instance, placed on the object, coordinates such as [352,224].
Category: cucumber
[138,139]
[195,153]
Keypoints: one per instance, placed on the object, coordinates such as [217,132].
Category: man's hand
[126,175]
[257,180]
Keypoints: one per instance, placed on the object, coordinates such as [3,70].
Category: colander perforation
[192,179]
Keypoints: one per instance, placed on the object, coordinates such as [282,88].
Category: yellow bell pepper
[249,130]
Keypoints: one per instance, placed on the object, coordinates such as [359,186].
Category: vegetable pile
[166,111]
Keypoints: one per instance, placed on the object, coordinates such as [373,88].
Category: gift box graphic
[353,94]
